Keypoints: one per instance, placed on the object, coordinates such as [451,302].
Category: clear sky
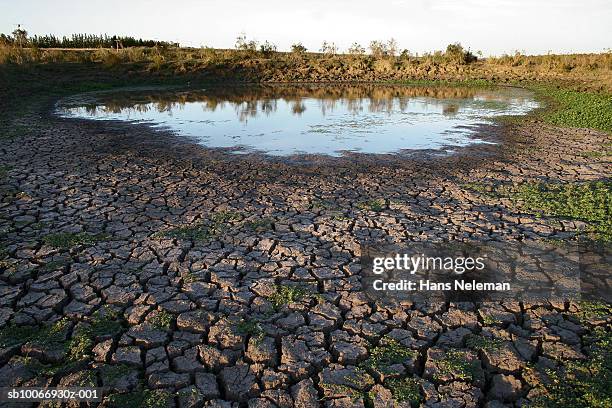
[492,26]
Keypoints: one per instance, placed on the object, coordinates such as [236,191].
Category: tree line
[20,38]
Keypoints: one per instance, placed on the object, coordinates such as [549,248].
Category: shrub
[329,48]
[356,49]
[298,48]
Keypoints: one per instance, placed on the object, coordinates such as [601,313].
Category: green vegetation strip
[67,240]
[590,202]
[136,399]
[77,346]
[405,389]
[582,383]
[577,109]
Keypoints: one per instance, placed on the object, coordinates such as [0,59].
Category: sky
[491,26]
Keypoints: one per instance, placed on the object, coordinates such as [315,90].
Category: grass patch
[386,354]
[161,320]
[84,337]
[215,226]
[476,342]
[582,384]
[590,202]
[490,320]
[590,311]
[577,109]
[12,336]
[137,399]
[372,205]
[260,225]
[484,189]
[189,277]
[285,295]
[597,154]
[455,364]
[196,232]
[250,327]
[405,389]
[55,337]
[67,240]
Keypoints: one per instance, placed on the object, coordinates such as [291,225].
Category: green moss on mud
[67,240]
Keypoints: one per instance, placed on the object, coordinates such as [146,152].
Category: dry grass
[594,71]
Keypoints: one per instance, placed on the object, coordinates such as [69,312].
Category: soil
[229,340]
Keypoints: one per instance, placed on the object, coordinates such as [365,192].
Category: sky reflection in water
[285,120]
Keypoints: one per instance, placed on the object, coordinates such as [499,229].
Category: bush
[298,48]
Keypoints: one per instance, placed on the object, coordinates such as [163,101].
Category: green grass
[405,389]
[140,399]
[161,320]
[455,363]
[77,346]
[490,320]
[196,232]
[387,353]
[12,336]
[285,295]
[260,224]
[597,153]
[84,337]
[577,109]
[213,227]
[477,342]
[250,327]
[372,205]
[585,383]
[484,189]
[589,311]
[590,202]
[67,240]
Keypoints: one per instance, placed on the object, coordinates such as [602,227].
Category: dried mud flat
[233,280]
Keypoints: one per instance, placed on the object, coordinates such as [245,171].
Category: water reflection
[284,120]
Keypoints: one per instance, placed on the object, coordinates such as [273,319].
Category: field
[173,275]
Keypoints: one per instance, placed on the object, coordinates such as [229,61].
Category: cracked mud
[172,275]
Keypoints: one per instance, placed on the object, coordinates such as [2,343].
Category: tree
[20,35]
[456,53]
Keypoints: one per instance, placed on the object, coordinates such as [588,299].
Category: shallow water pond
[331,120]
